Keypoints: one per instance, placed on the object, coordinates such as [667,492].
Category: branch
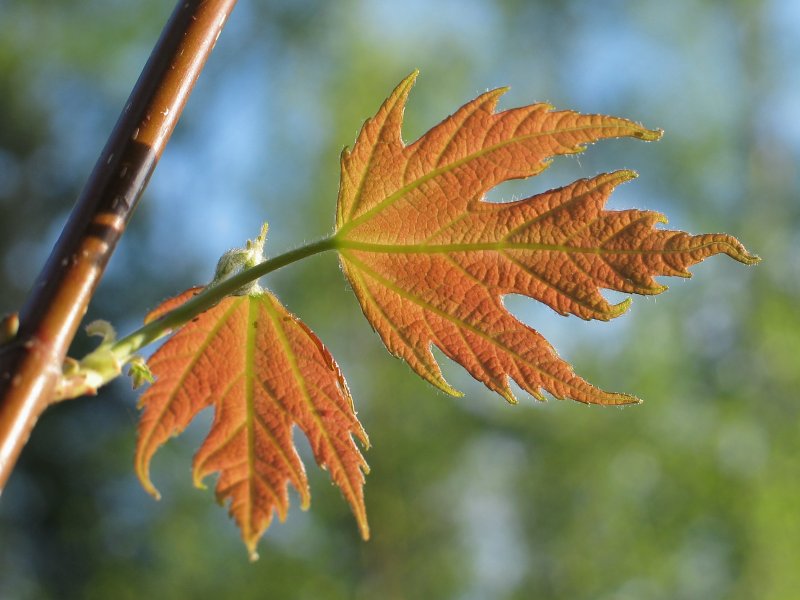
[30,363]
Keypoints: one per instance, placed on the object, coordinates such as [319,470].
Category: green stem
[127,346]
[106,362]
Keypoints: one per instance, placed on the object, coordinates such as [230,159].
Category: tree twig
[31,362]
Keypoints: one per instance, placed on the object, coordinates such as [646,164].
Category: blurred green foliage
[691,495]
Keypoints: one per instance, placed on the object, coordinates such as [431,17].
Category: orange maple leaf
[263,370]
[430,260]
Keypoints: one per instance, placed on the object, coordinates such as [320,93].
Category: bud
[237,260]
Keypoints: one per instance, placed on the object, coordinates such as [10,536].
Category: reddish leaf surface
[430,261]
[172,303]
[263,371]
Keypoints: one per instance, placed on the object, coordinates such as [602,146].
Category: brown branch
[31,363]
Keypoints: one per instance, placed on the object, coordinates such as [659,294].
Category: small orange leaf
[430,260]
[263,371]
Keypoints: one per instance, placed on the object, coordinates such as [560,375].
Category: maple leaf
[429,260]
[263,370]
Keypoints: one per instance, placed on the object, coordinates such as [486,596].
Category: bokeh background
[693,494]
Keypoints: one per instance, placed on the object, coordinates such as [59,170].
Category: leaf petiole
[106,361]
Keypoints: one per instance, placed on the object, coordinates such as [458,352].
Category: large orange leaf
[263,370]
[430,260]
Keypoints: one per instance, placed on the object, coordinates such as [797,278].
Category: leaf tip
[437,380]
[364,439]
[620,308]
[252,554]
[751,259]
[648,135]
[409,80]
[363,527]
[147,484]
[197,481]
[623,400]
[509,396]
[305,504]
[142,469]
[739,253]
[538,396]
[622,176]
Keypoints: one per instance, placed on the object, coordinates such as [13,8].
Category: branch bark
[30,363]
